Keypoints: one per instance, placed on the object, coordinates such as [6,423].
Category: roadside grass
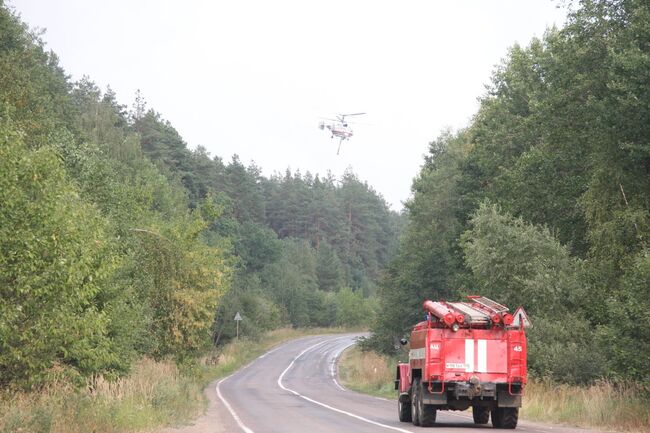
[155,394]
[604,405]
[367,372]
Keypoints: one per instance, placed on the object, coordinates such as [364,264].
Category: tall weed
[623,407]
[368,372]
[155,394]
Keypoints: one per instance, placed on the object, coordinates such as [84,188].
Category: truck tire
[496,418]
[481,414]
[404,410]
[415,415]
[426,412]
[505,417]
[509,417]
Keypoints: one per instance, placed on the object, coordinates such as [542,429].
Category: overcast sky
[253,77]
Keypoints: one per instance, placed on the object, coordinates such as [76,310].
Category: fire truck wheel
[426,412]
[481,414]
[509,417]
[505,417]
[404,410]
[496,418]
[415,415]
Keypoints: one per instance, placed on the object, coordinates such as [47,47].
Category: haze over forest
[119,242]
[255,78]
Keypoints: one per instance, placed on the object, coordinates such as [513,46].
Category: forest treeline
[118,241]
[543,200]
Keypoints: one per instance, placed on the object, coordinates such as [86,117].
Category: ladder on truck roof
[479,311]
[476,317]
[489,303]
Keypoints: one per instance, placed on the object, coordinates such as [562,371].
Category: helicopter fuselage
[339,128]
[342,131]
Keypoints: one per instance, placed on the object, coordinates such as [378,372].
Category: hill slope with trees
[118,241]
[544,200]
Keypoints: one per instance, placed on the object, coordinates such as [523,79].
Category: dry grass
[155,394]
[367,372]
[604,405]
[624,408]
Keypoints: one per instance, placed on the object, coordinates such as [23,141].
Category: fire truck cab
[465,354]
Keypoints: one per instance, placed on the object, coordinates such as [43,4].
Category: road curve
[293,389]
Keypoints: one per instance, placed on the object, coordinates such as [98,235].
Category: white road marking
[338,385]
[231,410]
[248,430]
[334,365]
[369,421]
[333,372]
[381,398]
[267,353]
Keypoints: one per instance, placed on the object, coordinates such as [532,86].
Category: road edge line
[238,420]
[369,421]
[334,369]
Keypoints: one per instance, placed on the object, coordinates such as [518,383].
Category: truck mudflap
[402,379]
[434,393]
[506,399]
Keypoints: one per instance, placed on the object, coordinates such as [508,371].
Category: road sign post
[238,319]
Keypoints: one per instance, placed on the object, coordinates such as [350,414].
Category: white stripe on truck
[482,356]
[417,353]
[474,350]
[469,355]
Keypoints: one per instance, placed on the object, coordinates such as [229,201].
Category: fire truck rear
[465,354]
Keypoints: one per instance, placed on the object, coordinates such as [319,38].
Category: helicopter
[339,128]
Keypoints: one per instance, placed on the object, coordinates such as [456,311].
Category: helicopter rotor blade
[357,123]
[342,117]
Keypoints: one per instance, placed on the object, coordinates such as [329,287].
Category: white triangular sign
[238,316]
[521,318]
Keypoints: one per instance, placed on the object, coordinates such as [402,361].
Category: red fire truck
[465,354]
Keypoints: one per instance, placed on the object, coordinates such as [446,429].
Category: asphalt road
[293,389]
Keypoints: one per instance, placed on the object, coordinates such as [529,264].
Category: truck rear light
[460,319]
[507,319]
[496,318]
